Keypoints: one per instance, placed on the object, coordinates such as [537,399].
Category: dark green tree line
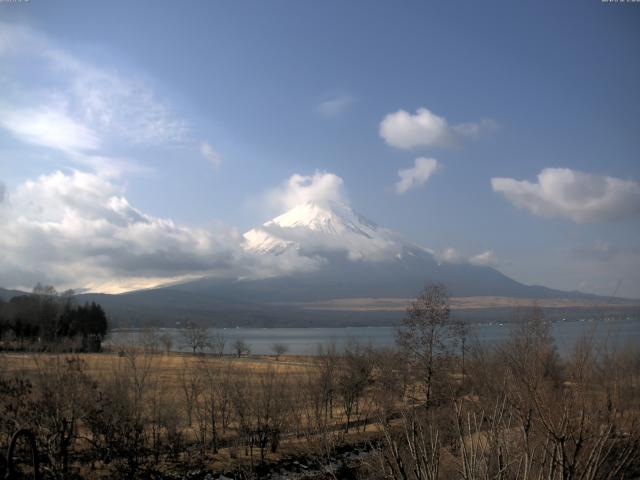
[46,317]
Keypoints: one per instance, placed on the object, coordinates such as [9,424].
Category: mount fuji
[312,228]
[328,251]
[321,263]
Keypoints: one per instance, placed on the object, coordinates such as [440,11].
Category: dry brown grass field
[419,411]
[390,304]
[164,367]
[278,394]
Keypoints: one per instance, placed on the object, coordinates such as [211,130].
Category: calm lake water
[305,341]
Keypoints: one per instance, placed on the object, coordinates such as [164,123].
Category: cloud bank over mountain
[79,230]
[320,187]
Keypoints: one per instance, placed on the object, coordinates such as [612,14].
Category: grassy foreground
[515,411]
[181,411]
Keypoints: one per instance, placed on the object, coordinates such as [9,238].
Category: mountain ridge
[354,258]
[345,257]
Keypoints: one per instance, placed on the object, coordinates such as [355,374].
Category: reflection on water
[305,341]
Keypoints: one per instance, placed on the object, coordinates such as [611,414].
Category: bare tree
[149,340]
[391,379]
[56,412]
[218,342]
[166,341]
[327,362]
[224,402]
[550,418]
[191,385]
[241,348]
[279,349]
[411,451]
[269,411]
[353,378]
[195,337]
[117,415]
[211,400]
[427,332]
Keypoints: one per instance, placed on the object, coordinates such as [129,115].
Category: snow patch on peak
[332,219]
[313,228]
[259,241]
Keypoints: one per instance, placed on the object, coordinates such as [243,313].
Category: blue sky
[281,88]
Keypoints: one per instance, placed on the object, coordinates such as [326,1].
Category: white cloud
[473,130]
[581,197]
[403,130]
[57,100]
[79,230]
[318,223]
[426,129]
[123,106]
[487,258]
[418,175]
[452,256]
[108,167]
[49,128]
[211,155]
[321,187]
[335,106]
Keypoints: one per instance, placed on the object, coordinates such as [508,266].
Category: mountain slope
[329,252]
[353,257]
[7,295]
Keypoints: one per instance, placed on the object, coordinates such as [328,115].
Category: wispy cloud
[335,106]
[57,100]
[487,258]
[426,129]
[452,256]
[578,196]
[418,175]
[49,127]
[213,157]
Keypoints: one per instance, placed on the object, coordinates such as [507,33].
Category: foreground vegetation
[437,406]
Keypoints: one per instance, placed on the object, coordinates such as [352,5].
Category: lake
[305,341]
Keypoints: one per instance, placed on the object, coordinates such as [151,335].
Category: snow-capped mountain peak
[330,218]
[313,228]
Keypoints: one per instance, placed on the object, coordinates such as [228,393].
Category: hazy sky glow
[139,140]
